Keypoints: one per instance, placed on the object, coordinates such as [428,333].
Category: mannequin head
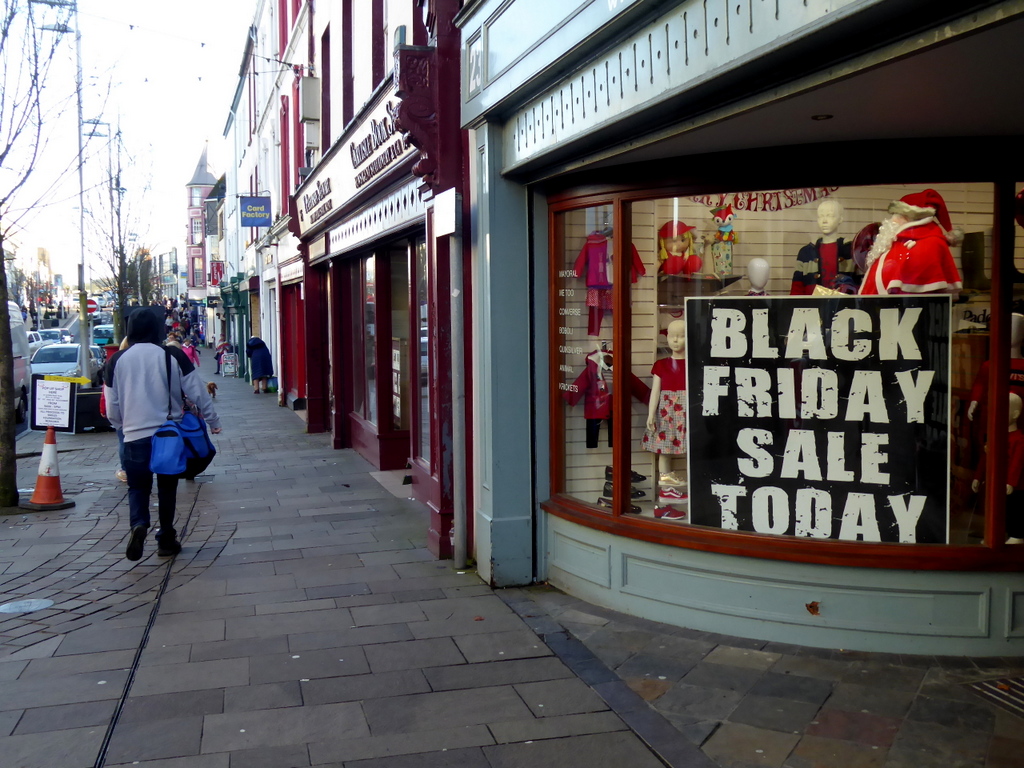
[757,273]
[830,216]
[1016,334]
[1013,413]
[676,333]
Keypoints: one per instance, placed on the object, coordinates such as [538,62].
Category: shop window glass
[370,338]
[356,311]
[422,359]
[401,370]
[584,354]
[785,401]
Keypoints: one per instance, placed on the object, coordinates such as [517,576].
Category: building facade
[667,419]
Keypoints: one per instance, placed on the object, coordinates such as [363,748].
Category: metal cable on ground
[101,757]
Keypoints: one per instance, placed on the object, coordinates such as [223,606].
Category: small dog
[211,387]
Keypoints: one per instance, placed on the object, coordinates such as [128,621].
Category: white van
[22,369]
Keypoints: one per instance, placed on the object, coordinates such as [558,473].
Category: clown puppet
[723,239]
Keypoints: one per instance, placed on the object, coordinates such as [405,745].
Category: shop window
[369,324]
[763,389]
[421,362]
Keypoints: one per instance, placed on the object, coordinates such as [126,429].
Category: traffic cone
[48,494]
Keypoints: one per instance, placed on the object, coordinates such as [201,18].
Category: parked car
[66,336]
[52,335]
[56,360]
[103,334]
[22,369]
[35,341]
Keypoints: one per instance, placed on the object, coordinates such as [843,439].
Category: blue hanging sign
[256,212]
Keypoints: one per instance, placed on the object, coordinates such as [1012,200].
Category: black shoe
[635,477]
[136,539]
[168,549]
[634,493]
[603,502]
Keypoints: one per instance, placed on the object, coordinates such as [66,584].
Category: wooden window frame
[991,555]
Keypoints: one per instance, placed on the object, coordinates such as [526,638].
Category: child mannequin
[666,416]
[1016,376]
[1014,475]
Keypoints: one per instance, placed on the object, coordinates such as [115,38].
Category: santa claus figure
[911,252]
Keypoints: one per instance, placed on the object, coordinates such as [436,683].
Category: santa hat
[922,205]
[673,229]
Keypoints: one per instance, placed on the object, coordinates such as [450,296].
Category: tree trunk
[8,463]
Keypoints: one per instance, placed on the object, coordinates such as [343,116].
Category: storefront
[711,441]
[369,304]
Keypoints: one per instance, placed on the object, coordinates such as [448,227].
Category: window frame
[620,190]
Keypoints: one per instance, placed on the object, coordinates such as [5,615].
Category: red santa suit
[919,261]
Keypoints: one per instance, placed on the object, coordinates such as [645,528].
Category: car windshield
[50,335]
[56,355]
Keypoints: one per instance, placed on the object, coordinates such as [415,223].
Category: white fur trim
[898,206]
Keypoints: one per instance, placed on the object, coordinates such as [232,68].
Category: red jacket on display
[594,263]
[594,387]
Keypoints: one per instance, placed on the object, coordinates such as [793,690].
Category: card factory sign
[821,418]
[369,151]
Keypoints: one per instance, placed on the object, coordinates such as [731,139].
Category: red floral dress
[669,435]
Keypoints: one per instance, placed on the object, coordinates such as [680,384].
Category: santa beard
[887,232]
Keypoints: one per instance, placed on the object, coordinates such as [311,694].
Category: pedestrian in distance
[223,347]
[138,402]
[261,367]
[189,348]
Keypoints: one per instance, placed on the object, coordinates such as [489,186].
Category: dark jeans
[140,485]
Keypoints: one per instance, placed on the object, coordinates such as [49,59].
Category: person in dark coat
[261,366]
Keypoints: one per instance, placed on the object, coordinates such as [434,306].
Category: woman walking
[261,366]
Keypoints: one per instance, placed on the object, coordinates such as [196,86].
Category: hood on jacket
[144,327]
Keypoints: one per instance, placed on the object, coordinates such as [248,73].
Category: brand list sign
[820,418]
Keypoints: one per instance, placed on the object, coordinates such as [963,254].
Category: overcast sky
[166,73]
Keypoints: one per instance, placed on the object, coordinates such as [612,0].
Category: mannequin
[979,389]
[666,418]
[758,271]
[911,252]
[675,249]
[827,261]
[1014,474]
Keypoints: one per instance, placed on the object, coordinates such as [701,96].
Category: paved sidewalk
[305,624]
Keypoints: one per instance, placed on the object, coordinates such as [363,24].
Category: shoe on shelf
[669,512]
[136,540]
[168,548]
[634,492]
[634,477]
[670,478]
[673,494]
[603,502]
[121,475]
[1014,540]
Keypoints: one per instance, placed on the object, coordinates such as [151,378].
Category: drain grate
[1006,693]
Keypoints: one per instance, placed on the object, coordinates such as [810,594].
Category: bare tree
[27,50]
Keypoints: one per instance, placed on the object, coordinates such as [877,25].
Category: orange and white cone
[48,494]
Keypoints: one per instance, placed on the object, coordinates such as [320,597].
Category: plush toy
[721,244]
[675,249]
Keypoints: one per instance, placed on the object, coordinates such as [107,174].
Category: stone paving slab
[306,624]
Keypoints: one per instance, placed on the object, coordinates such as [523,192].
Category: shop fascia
[360,161]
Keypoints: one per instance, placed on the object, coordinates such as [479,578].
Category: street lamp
[84,358]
